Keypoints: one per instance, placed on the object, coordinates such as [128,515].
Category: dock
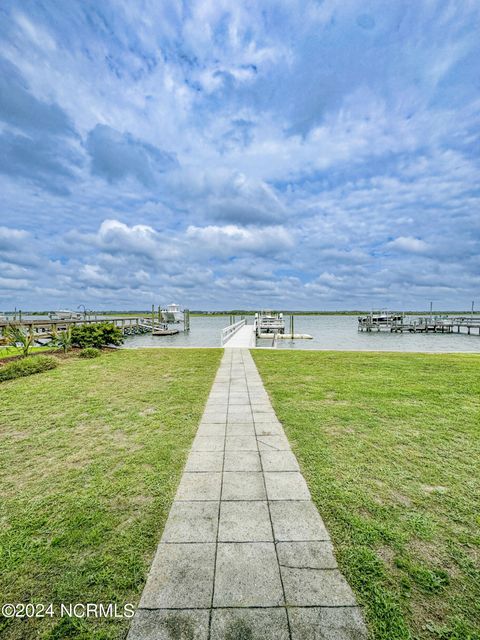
[244,338]
[44,328]
[239,335]
[398,323]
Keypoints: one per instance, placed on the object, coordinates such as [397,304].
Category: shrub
[89,352]
[96,335]
[27,366]
[63,339]
[18,338]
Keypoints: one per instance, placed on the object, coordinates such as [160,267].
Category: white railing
[231,330]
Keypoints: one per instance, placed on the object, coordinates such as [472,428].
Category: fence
[231,330]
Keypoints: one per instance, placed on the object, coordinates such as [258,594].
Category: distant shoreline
[239,312]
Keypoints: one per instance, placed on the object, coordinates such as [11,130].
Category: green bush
[89,352]
[27,366]
[19,338]
[96,335]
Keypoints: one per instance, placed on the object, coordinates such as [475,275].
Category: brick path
[244,554]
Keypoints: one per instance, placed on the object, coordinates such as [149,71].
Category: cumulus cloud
[408,244]
[117,237]
[233,240]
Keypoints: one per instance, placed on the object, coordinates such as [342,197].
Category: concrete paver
[247,575]
[164,624]
[245,522]
[344,623]
[243,485]
[199,486]
[251,624]
[199,461]
[242,461]
[181,577]
[316,587]
[286,485]
[241,443]
[313,554]
[192,522]
[279,461]
[297,521]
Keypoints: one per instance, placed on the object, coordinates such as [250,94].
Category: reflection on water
[329,332]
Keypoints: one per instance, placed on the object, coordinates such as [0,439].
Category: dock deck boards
[243,339]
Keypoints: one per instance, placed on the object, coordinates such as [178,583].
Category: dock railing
[231,330]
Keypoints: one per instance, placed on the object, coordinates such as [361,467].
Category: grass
[91,457]
[11,352]
[390,447]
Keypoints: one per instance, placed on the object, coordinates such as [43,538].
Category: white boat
[380,318]
[267,322]
[172,314]
[64,314]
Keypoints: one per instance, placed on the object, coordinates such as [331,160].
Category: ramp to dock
[244,338]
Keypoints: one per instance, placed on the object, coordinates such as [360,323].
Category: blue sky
[221,154]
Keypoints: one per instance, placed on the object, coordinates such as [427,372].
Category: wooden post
[153,316]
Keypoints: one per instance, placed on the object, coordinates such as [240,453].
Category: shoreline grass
[389,444]
[91,457]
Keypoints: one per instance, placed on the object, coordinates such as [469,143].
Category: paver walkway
[244,554]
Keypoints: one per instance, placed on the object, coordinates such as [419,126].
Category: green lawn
[390,446]
[10,352]
[91,457]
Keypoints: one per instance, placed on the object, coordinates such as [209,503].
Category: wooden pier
[43,329]
[397,323]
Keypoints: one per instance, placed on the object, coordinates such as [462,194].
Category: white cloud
[232,239]
[408,244]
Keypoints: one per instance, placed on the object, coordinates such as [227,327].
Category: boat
[382,318]
[268,322]
[172,314]
[64,314]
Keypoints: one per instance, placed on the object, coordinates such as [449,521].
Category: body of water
[329,332]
